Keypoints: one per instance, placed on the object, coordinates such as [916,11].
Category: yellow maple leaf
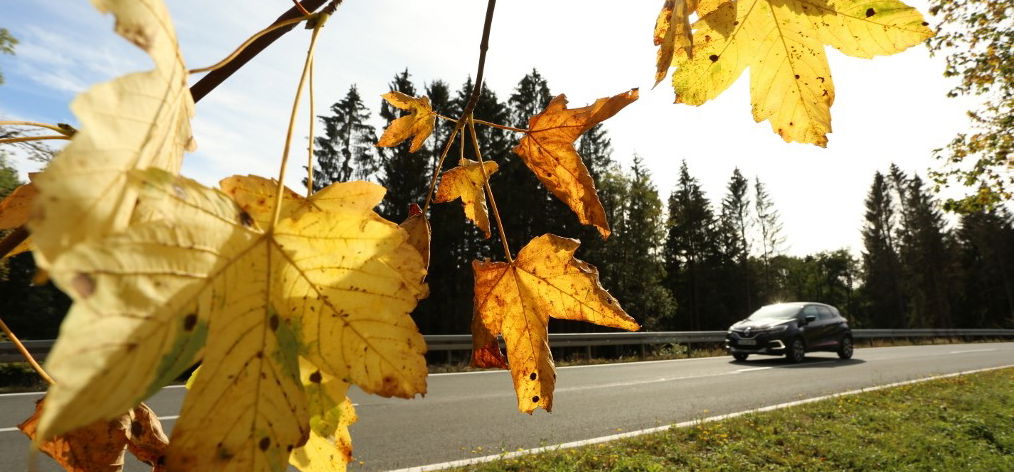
[329,446]
[419,123]
[419,232]
[467,183]
[672,30]
[782,41]
[14,212]
[136,121]
[517,299]
[100,446]
[197,277]
[548,150]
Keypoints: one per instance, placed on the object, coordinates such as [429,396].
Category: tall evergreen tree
[690,251]
[346,151]
[772,241]
[986,238]
[927,253]
[734,223]
[885,301]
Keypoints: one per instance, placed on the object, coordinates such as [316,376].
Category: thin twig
[473,99]
[22,139]
[292,117]
[485,123]
[33,123]
[309,149]
[300,7]
[250,40]
[24,352]
[489,191]
[216,77]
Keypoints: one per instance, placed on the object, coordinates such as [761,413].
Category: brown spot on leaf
[245,219]
[83,284]
[535,399]
[713,57]
[264,444]
[315,377]
[533,376]
[273,322]
[189,322]
[870,12]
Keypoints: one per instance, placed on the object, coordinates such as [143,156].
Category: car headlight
[778,329]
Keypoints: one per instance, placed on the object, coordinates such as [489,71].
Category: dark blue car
[792,330]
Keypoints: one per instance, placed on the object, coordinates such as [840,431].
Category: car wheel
[796,351]
[739,356]
[845,348]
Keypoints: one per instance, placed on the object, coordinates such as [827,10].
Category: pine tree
[927,254]
[734,223]
[690,252]
[986,240]
[885,302]
[771,240]
[346,151]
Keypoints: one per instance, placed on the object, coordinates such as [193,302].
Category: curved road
[474,414]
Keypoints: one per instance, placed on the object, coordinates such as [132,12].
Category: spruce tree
[927,252]
[734,223]
[986,239]
[346,151]
[690,252]
[885,302]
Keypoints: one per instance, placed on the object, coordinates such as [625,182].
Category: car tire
[796,351]
[845,348]
[739,356]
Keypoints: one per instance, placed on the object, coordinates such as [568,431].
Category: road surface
[474,414]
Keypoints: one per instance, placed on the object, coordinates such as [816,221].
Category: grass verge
[961,423]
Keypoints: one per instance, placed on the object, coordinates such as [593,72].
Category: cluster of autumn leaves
[287,300]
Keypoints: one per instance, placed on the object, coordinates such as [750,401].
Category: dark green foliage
[885,305]
[346,151]
[7,43]
[986,239]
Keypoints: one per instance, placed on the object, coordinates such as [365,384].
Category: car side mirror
[810,318]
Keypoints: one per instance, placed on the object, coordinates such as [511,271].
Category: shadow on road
[808,362]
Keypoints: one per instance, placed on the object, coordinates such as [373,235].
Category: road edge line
[641,432]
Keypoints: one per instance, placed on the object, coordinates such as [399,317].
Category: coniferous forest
[683,261]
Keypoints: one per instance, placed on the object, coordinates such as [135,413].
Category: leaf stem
[489,190]
[473,99]
[22,139]
[486,123]
[292,117]
[24,352]
[248,42]
[33,123]
[309,147]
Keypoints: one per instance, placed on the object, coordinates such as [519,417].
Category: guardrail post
[587,352]
[642,351]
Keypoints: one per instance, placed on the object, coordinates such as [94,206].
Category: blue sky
[889,109]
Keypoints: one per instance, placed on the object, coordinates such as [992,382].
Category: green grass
[962,424]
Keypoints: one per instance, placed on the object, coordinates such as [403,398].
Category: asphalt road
[474,414]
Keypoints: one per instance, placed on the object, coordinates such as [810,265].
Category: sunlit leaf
[466,182]
[14,212]
[329,447]
[782,42]
[548,150]
[335,283]
[136,121]
[517,299]
[417,125]
[100,446]
[672,31]
[419,232]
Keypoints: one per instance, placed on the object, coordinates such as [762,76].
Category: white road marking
[972,350]
[754,369]
[8,430]
[602,439]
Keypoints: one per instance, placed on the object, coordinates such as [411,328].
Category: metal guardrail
[463,342]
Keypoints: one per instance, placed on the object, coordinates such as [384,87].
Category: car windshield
[775,312]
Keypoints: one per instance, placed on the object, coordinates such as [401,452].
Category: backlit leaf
[548,150]
[14,212]
[329,447]
[466,182]
[516,299]
[419,232]
[335,283]
[136,121]
[782,42]
[417,124]
[100,446]
[672,31]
